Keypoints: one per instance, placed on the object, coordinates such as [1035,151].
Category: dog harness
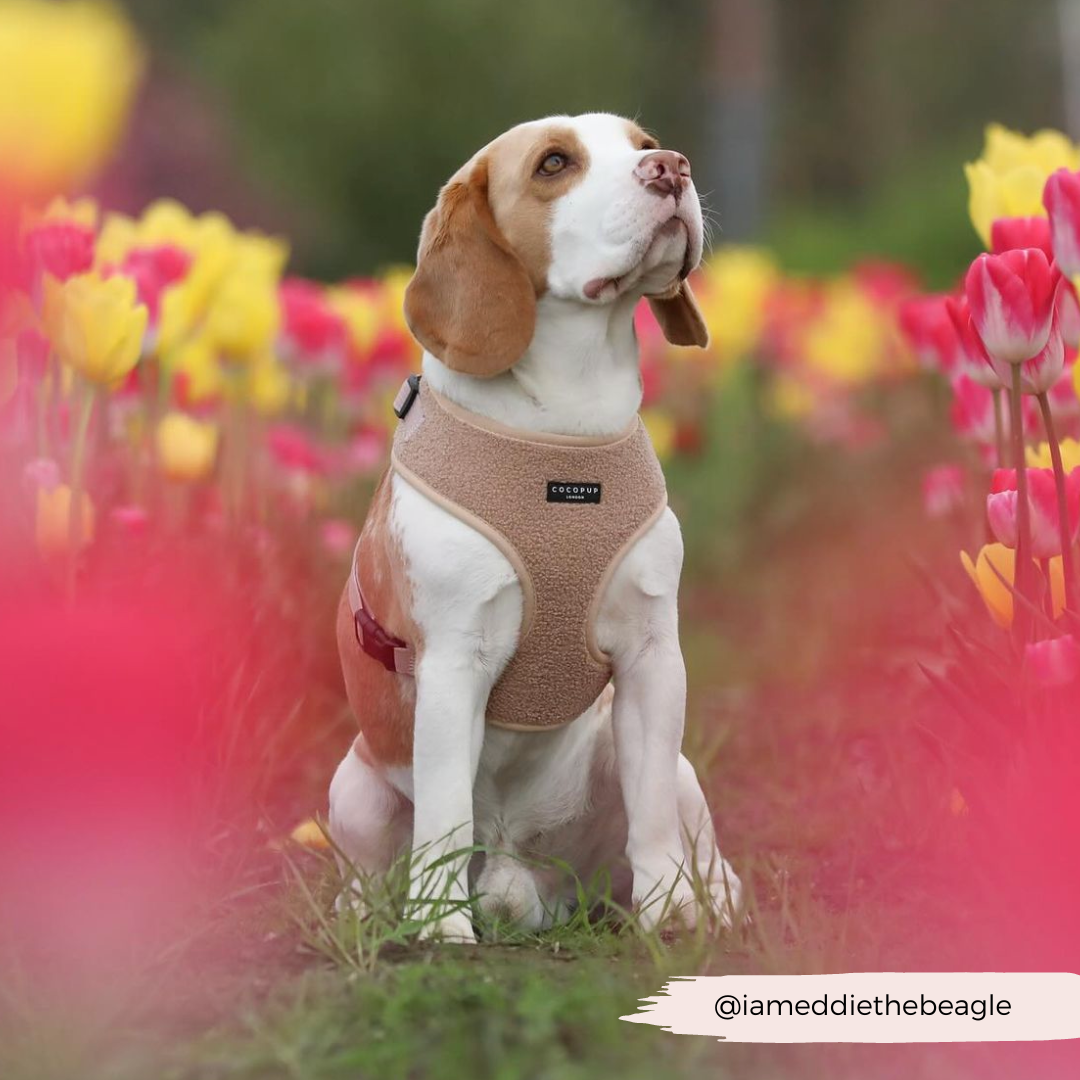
[563,509]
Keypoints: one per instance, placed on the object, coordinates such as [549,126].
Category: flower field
[880,491]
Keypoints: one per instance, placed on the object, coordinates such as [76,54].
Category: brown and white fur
[529,270]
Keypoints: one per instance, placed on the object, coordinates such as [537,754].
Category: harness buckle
[376,642]
[410,390]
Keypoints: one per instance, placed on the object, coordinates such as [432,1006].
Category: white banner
[870,1007]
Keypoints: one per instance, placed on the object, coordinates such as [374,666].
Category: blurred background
[828,129]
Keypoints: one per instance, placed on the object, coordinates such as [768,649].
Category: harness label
[573,491]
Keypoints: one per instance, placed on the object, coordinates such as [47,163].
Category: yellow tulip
[244,316]
[847,341]
[67,76]
[53,520]
[308,834]
[738,282]
[1008,180]
[790,398]
[269,387]
[186,447]
[96,325]
[195,360]
[360,313]
[996,594]
[1039,458]
[662,431]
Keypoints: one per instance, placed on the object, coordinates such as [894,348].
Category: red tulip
[1007,234]
[1061,197]
[974,361]
[1001,509]
[925,323]
[1011,297]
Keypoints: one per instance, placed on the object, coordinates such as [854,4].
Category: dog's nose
[664,172]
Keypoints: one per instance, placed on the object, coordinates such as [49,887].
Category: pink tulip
[312,331]
[1007,234]
[973,359]
[1061,197]
[1042,372]
[41,472]
[295,450]
[1054,662]
[925,323]
[1064,404]
[338,536]
[1068,313]
[61,248]
[943,490]
[1001,509]
[1011,297]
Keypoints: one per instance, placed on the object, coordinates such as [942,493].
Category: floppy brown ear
[471,302]
[680,318]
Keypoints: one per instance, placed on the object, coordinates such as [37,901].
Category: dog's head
[587,208]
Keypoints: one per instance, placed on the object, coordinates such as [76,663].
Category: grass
[802,627]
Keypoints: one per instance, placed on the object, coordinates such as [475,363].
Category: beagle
[529,269]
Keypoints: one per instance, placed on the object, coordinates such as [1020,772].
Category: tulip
[1010,233]
[95,325]
[1054,662]
[312,331]
[54,528]
[153,269]
[41,472]
[926,323]
[1011,298]
[1061,197]
[1068,313]
[338,536]
[1041,373]
[1039,457]
[972,355]
[69,76]
[186,447]
[995,562]
[1047,536]
[943,490]
[294,449]
[61,248]
[269,388]
[1007,181]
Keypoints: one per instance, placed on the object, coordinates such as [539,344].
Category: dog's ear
[680,317]
[471,302]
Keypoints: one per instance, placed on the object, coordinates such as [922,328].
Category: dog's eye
[552,164]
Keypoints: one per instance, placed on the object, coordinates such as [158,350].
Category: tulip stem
[78,457]
[1062,503]
[999,428]
[1023,512]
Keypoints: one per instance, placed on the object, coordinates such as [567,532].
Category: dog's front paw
[453,929]
[660,901]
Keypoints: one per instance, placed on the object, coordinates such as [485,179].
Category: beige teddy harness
[563,509]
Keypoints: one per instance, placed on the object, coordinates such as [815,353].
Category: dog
[529,269]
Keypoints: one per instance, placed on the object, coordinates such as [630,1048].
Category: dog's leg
[369,822]
[649,710]
[711,869]
[448,735]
